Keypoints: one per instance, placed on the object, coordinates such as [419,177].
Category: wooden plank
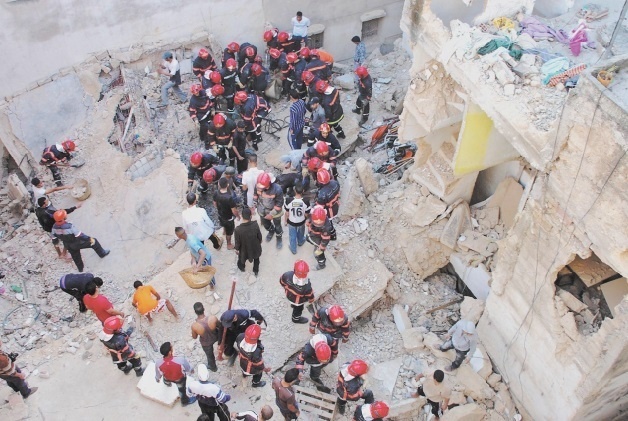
[321,415]
[317,402]
[316,393]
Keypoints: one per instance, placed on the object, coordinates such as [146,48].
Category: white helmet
[202,373]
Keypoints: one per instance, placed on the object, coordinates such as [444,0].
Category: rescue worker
[75,285]
[117,343]
[375,411]
[268,197]
[45,215]
[216,93]
[207,329]
[252,108]
[304,54]
[173,370]
[200,110]
[57,155]
[203,62]
[298,289]
[318,67]
[236,322]
[436,391]
[310,80]
[463,338]
[325,57]
[297,84]
[330,100]
[230,51]
[285,398]
[270,38]
[328,197]
[214,174]
[321,151]
[331,320]
[265,414]
[258,82]
[247,52]
[365,92]
[230,82]
[74,240]
[319,233]
[220,133]
[310,171]
[318,352]
[210,79]
[239,147]
[287,43]
[196,221]
[170,67]
[350,382]
[288,73]
[199,163]
[250,350]
[276,59]
[323,133]
[210,397]
[227,209]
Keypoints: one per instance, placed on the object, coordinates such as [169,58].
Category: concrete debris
[481,363]
[570,301]
[471,309]
[353,197]
[366,175]
[406,407]
[346,81]
[477,242]
[400,315]
[469,412]
[360,225]
[459,221]
[493,380]
[413,338]
[382,378]
[426,210]
[473,384]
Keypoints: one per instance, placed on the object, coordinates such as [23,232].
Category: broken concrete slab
[477,242]
[471,309]
[570,301]
[481,363]
[568,322]
[472,383]
[366,175]
[382,378]
[507,197]
[468,412]
[459,221]
[157,392]
[406,407]
[494,379]
[476,278]
[412,338]
[186,66]
[345,81]
[402,320]
[352,196]
[426,211]
[614,293]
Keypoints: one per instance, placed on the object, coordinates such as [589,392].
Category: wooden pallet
[318,405]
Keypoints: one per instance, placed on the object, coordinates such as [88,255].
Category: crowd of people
[228,104]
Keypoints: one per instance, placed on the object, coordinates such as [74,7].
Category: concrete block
[406,407]
[17,191]
[412,338]
[570,301]
[472,383]
[459,221]
[476,278]
[157,392]
[426,211]
[503,73]
[382,378]
[471,309]
[469,412]
[346,81]
[493,379]
[402,320]
[366,176]
[481,363]
[186,66]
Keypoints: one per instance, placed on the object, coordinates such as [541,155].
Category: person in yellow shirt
[148,301]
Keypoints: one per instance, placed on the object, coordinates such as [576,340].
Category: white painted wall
[552,8]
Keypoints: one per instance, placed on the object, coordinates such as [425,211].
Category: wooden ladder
[318,405]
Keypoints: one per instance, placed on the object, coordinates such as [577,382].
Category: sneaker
[293,251]
[262,383]
[31,391]
[319,267]
[213,367]
[140,372]
[256,274]
[301,320]
[189,402]
[105,253]
[269,236]
[255,146]
[279,243]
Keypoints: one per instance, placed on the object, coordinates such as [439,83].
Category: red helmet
[358,368]
[321,86]
[215,77]
[219,120]
[305,52]
[252,333]
[234,46]
[314,164]
[250,52]
[203,53]
[195,89]
[313,52]
[379,409]
[323,352]
[336,313]
[307,77]
[196,159]
[319,215]
[217,90]
[112,324]
[274,53]
[322,176]
[283,37]
[68,145]
[322,148]
[361,72]
[240,97]
[324,128]
[209,175]
[256,69]
[292,57]
[268,36]
[231,64]
[60,215]
[263,180]
[301,269]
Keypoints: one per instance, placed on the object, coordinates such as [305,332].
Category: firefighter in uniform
[321,151]
[253,108]
[247,52]
[350,382]
[250,350]
[220,132]
[74,240]
[287,44]
[375,411]
[365,89]
[288,72]
[236,322]
[318,67]
[331,320]
[203,62]
[117,343]
[310,80]
[230,82]
[328,197]
[330,100]
[230,51]
[318,352]
[200,109]
[299,67]
[298,289]
[323,133]
[276,59]
[319,233]
[268,197]
[199,163]
[258,80]
[210,79]
[310,171]
[270,38]
[57,155]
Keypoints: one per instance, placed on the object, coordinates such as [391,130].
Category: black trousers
[136,363]
[79,297]
[229,342]
[202,131]
[215,242]
[315,372]
[363,105]
[367,396]
[17,384]
[211,358]
[212,410]
[435,405]
[242,164]
[76,253]
[181,386]
[297,311]
[56,174]
[256,377]
[274,225]
[242,264]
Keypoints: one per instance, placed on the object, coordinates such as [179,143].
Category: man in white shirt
[463,338]
[40,191]
[249,180]
[299,27]
[170,67]
[196,222]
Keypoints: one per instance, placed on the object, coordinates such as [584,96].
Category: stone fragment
[568,322]
[459,221]
[345,81]
[471,309]
[570,301]
[476,242]
[509,89]
[426,211]
[473,384]
[366,176]
[402,320]
[468,412]
[406,407]
[503,74]
[494,379]
[412,338]
[352,195]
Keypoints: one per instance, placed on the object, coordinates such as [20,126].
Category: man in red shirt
[99,304]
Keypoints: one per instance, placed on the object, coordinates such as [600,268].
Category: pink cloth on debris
[541,31]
